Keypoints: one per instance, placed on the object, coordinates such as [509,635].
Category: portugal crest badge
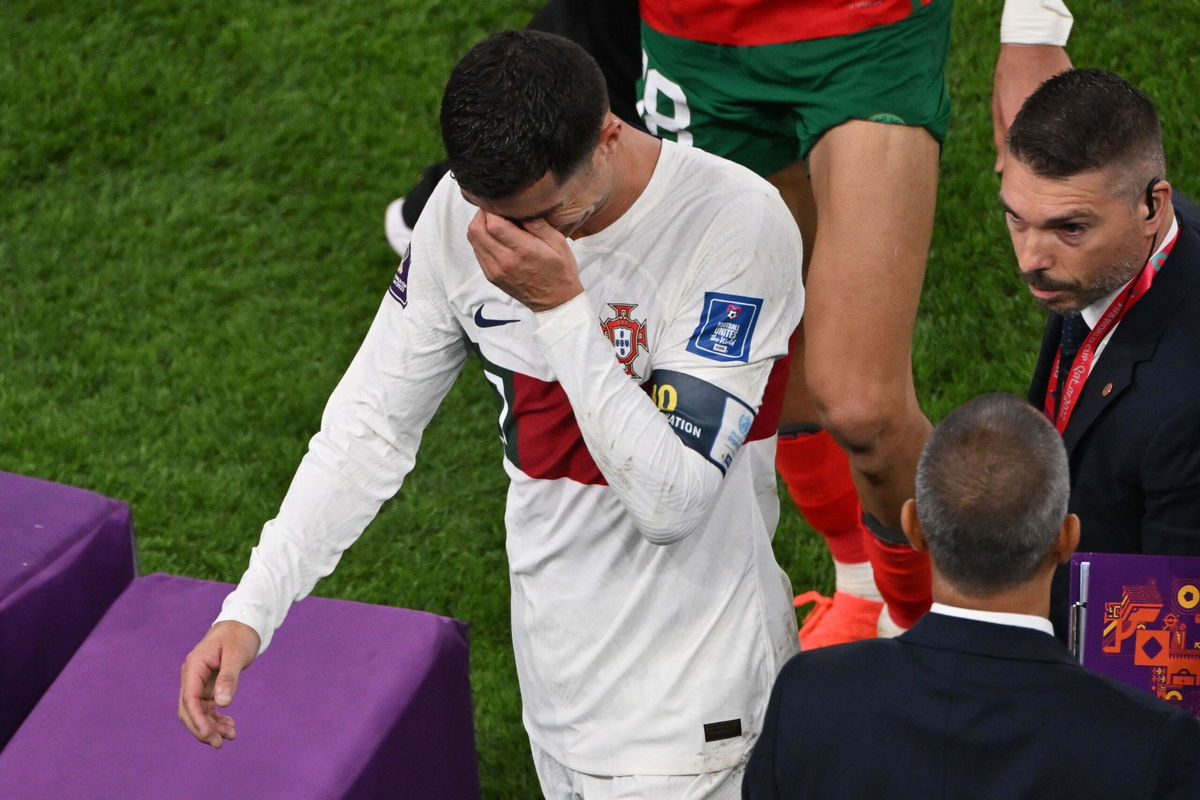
[628,335]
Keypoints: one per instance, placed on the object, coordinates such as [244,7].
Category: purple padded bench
[351,700]
[65,556]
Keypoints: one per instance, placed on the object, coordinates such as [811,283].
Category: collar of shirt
[996,617]
[1092,314]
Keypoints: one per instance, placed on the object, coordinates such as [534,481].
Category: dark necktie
[1074,331]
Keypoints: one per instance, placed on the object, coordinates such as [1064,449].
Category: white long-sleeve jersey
[649,615]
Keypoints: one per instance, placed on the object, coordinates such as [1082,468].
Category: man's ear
[1158,197]
[910,523]
[610,131]
[1068,539]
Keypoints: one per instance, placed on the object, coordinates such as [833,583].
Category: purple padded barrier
[351,700]
[65,556]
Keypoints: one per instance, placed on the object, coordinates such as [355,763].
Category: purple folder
[1136,618]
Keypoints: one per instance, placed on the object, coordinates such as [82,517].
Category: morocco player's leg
[868,111]
[817,475]
[874,185]
[862,292]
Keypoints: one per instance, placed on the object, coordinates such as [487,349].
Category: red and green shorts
[765,106]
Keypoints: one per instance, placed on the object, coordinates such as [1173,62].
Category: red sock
[902,575]
[817,474]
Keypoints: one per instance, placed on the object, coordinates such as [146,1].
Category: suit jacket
[956,709]
[1134,437]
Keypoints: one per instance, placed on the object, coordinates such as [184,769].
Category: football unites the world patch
[628,335]
[399,288]
[726,327]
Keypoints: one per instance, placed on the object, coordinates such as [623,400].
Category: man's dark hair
[519,104]
[1088,119]
[992,489]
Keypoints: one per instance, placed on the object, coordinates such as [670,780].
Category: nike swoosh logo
[484,322]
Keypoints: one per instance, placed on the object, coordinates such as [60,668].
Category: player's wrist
[568,308]
[554,301]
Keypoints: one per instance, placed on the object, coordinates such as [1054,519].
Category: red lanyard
[1081,367]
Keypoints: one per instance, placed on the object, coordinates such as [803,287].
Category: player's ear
[611,130]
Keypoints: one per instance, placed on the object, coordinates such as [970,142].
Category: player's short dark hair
[1089,119]
[518,105]
[992,490]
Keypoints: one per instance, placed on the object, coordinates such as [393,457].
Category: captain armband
[706,418]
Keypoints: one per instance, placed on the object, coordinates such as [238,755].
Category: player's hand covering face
[531,262]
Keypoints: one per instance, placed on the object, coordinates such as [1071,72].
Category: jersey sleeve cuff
[236,609]
[1046,22]
[555,323]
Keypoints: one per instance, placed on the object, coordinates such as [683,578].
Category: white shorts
[562,783]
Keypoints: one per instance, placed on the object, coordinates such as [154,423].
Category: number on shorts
[655,84]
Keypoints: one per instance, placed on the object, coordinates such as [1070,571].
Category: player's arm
[367,444]
[664,464]
[1033,35]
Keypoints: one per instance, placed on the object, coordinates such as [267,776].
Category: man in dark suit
[978,699]
[1098,239]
